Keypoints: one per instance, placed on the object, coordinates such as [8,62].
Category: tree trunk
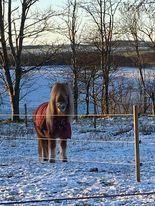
[145,107]
[87,100]
[107,97]
[105,94]
[153,108]
[75,92]
[15,98]
[153,103]
[94,101]
[15,108]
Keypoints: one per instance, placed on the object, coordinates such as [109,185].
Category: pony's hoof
[45,159]
[52,160]
[64,160]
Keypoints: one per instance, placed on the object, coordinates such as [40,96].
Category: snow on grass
[101,161]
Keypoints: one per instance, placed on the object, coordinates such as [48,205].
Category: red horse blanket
[61,126]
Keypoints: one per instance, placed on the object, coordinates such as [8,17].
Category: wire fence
[74,160]
[82,115]
[101,196]
[61,199]
[6,137]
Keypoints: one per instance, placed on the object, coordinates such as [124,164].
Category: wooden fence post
[94,122]
[25,108]
[136,143]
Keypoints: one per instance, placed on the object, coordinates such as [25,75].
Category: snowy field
[100,162]
[37,85]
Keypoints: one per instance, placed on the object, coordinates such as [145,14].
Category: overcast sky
[42,5]
[46,3]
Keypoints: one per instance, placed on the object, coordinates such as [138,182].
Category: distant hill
[123,54]
[116,46]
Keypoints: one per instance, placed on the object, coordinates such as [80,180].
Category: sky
[52,37]
[55,4]
[42,5]
[46,3]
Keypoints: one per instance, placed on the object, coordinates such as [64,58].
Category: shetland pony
[52,120]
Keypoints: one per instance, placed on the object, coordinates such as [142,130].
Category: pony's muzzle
[61,106]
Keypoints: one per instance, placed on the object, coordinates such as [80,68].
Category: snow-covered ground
[37,85]
[100,161]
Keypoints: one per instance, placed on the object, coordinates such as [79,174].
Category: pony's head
[60,98]
[61,102]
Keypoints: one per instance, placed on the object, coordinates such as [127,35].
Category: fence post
[25,108]
[136,142]
[94,122]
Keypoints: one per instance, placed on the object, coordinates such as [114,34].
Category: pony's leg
[52,150]
[40,148]
[45,149]
[63,150]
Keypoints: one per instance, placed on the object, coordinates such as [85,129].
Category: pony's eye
[58,104]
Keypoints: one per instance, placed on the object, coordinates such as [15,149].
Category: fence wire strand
[80,161]
[73,115]
[71,160]
[81,115]
[102,196]
[6,137]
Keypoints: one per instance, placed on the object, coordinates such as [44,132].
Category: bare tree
[148,30]
[71,29]
[140,30]
[87,78]
[103,13]
[17,24]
